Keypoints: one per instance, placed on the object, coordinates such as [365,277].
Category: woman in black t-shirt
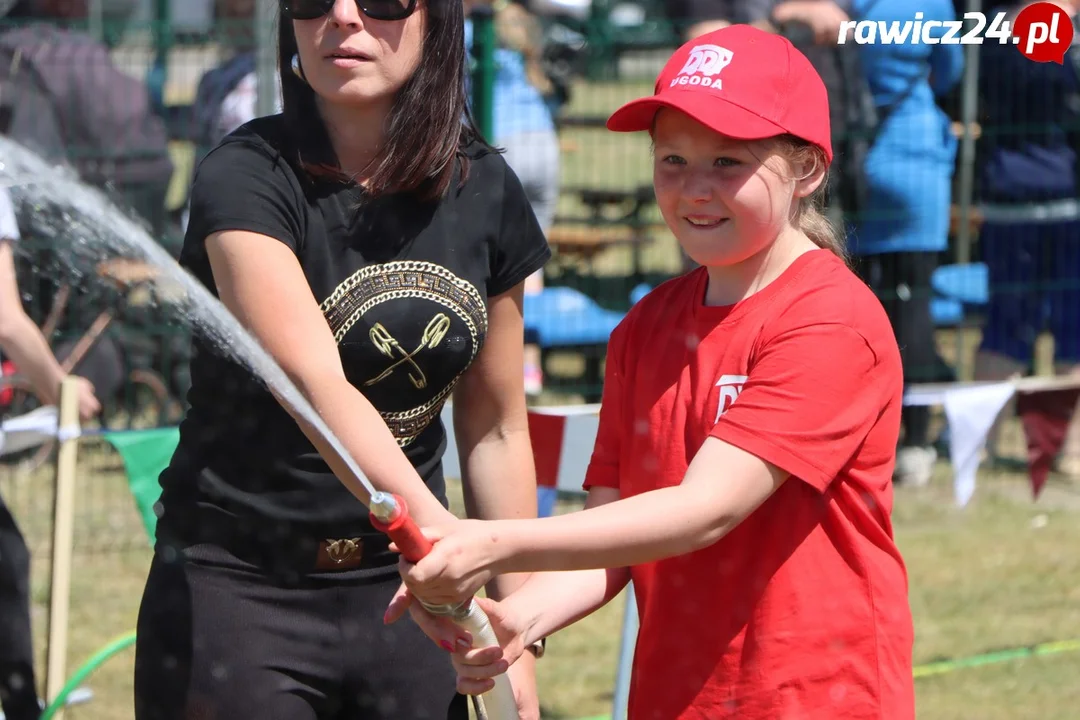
[376,247]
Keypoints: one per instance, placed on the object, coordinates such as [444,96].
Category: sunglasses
[374,9]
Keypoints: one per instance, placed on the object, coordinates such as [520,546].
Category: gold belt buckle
[342,550]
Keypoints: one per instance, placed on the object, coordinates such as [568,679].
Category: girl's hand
[461,562]
[476,667]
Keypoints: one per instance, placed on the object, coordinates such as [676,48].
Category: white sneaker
[914,466]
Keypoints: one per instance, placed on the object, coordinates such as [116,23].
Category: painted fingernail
[446,646]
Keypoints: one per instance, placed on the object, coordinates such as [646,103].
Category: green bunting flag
[145,454]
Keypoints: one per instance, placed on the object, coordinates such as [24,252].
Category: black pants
[18,694]
[219,639]
[902,282]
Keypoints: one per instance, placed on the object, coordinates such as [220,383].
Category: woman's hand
[461,562]
[476,667]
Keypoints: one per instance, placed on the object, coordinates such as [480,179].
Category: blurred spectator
[813,26]
[228,93]
[1030,236]
[904,225]
[65,99]
[21,339]
[525,128]
[70,102]
[694,18]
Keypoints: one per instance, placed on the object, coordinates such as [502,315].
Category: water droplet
[85,228]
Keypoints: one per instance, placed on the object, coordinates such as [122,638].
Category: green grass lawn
[1002,572]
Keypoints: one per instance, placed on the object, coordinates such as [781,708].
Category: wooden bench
[616,218]
[587,241]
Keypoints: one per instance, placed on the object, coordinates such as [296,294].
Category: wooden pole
[63,537]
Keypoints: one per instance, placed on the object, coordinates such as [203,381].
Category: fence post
[266,57]
[627,644]
[483,80]
[969,107]
[96,18]
[965,187]
[158,75]
[67,427]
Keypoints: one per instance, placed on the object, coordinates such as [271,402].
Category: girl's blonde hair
[810,216]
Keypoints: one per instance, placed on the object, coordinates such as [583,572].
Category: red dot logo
[1043,32]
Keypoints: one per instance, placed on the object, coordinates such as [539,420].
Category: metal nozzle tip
[383,506]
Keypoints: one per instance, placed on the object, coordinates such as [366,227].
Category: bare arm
[544,604]
[21,338]
[261,282]
[548,602]
[492,427]
[651,526]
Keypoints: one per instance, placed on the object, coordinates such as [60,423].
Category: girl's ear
[809,175]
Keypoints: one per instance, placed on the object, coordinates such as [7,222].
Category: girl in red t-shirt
[748,429]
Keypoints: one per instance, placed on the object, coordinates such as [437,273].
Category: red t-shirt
[802,610]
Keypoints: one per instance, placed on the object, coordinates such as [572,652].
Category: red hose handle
[404,532]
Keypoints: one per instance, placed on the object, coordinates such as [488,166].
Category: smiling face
[725,200]
[350,59]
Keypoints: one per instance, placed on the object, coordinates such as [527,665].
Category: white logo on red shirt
[704,63]
[730,387]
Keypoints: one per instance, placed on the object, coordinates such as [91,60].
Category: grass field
[1002,572]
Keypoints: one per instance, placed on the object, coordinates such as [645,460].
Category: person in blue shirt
[899,234]
[525,128]
[1028,197]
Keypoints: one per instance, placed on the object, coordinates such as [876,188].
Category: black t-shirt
[403,284]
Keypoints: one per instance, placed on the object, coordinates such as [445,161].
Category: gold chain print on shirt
[374,285]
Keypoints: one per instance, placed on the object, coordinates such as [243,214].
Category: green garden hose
[96,660]
[935,668]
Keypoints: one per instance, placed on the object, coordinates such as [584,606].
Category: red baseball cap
[741,82]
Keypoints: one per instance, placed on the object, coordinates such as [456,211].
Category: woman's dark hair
[429,125]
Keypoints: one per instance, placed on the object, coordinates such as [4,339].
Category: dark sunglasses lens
[306,9]
[387,9]
[376,9]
